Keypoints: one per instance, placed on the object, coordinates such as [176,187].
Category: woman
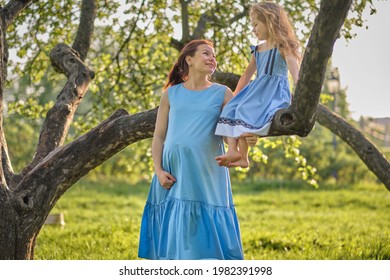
[189,213]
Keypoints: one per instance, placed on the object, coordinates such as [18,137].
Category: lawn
[279,220]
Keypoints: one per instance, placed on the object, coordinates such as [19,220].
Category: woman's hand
[251,139]
[166,179]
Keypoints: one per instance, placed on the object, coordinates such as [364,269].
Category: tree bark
[83,38]
[12,9]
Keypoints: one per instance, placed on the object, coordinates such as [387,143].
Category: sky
[364,65]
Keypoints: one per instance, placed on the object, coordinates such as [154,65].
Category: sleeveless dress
[253,108]
[196,218]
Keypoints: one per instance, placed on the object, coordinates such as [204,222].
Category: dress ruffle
[215,227]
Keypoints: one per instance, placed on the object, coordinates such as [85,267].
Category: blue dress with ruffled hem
[253,108]
[196,218]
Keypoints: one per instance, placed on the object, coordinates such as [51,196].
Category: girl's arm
[293,67]
[246,77]
[166,180]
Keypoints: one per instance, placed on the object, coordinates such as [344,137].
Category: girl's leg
[231,155]
[243,161]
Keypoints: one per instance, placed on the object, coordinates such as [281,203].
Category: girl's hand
[166,179]
[250,138]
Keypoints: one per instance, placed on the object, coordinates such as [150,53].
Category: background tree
[130,59]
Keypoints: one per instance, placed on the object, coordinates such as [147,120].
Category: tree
[26,198]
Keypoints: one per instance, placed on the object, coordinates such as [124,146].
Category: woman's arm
[247,76]
[166,180]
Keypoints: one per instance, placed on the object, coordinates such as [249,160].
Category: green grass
[279,220]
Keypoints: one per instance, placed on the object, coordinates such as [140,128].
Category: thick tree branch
[185,20]
[366,150]
[85,30]
[176,44]
[69,62]
[200,29]
[55,128]
[67,164]
[228,79]
[12,9]
[300,117]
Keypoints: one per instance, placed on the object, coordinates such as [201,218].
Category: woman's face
[203,60]
[259,29]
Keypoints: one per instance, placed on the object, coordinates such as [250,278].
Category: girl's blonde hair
[279,26]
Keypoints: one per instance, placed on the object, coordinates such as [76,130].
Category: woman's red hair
[179,70]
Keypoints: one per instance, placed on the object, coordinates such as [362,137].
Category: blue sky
[364,65]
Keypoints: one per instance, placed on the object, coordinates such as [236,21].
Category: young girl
[254,104]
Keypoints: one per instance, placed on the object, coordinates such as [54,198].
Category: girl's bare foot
[229,157]
[243,163]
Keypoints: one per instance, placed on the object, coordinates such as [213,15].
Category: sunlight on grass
[279,220]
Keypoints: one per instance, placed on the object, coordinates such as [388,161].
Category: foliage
[22,139]
[278,159]
[278,220]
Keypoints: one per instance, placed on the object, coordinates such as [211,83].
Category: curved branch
[300,117]
[365,149]
[12,9]
[83,38]
[55,128]
[67,164]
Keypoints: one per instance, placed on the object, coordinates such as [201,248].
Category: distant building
[377,128]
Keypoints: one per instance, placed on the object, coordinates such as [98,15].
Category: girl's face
[259,29]
[203,60]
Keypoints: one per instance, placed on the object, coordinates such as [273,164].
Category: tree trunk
[27,198]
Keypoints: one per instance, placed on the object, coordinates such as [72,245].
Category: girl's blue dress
[196,218]
[253,108]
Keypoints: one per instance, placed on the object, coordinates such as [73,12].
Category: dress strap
[253,49]
[270,61]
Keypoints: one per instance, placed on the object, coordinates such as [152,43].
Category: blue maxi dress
[196,218]
[253,108]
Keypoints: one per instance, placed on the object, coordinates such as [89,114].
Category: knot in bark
[66,60]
